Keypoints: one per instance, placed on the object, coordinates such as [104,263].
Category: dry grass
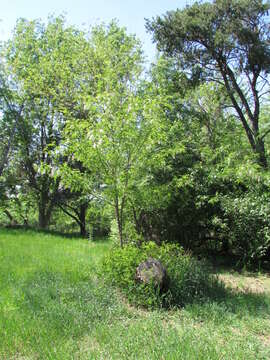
[246,283]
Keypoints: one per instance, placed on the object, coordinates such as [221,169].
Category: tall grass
[54,306]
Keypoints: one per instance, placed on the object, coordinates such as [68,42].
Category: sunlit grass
[54,306]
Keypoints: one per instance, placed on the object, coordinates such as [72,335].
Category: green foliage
[225,41]
[246,226]
[195,32]
[43,93]
[119,137]
[236,201]
[87,137]
[189,279]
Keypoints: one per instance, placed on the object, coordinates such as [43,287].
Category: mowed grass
[53,305]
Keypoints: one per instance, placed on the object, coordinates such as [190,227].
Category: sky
[83,13]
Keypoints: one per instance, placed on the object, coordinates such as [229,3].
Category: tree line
[176,152]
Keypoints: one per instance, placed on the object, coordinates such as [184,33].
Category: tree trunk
[260,151]
[12,220]
[82,224]
[119,222]
[43,218]
[83,231]
[44,212]
[252,132]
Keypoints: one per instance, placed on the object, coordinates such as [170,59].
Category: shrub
[247,219]
[190,279]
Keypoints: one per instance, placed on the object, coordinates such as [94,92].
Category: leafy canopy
[226,41]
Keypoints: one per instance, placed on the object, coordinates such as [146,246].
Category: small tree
[111,141]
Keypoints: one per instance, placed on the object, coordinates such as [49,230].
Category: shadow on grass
[74,307]
[230,263]
[51,297]
[222,304]
[71,235]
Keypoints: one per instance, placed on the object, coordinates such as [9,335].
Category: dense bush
[246,222]
[224,215]
[190,280]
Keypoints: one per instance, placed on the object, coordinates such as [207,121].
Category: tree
[226,41]
[43,63]
[75,206]
[114,140]
[11,110]
[72,200]
[104,142]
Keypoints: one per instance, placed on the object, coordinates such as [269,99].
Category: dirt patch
[265,339]
[88,345]
[246,284]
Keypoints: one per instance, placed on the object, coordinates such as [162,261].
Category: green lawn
[54,306]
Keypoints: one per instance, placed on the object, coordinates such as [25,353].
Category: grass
[54,306]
